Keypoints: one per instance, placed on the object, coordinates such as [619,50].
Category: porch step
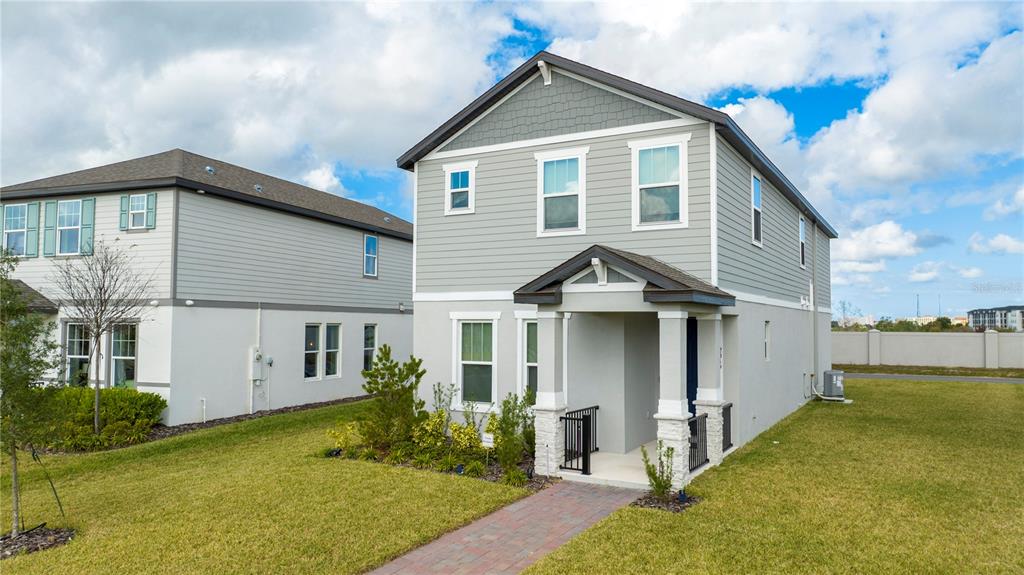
[596,480]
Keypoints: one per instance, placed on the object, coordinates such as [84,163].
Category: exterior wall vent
[211,170]
[258,188]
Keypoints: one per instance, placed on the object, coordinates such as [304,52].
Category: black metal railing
[726,427]
[580,438]
[698,440]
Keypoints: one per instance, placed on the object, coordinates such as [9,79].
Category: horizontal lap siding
[823,284]
[774,269]
[497,249]
[237,252]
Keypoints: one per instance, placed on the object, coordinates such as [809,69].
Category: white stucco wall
[930,349]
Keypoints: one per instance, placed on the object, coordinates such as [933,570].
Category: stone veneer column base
[674,432]
[550,443]
[714,427]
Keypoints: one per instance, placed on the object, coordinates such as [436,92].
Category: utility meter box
[834,384]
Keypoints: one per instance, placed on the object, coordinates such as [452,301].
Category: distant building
[921,319]
[959,320]
[1006,317]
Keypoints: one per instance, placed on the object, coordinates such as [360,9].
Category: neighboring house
[266,293]
[1009,317]
[610,245]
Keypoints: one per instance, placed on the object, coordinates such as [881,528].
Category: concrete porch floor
[616,469]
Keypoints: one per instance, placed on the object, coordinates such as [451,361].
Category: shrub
[507,428]
[659,476]
[448,463]
[466,440]
[431,434]
[423,460]
[367,454]
[475,468]
[126,417]
[393,416]
[515,477]
[124,433]
[347,438]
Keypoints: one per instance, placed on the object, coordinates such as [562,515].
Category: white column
[673,431]
[710,380]
[550,406]
[874,347]
[991,348]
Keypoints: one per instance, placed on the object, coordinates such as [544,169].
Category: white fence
[990,349]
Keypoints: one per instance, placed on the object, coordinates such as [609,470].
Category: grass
[913,477]
[250,497]
[932,370]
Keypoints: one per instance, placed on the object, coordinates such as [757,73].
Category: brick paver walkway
[510,539]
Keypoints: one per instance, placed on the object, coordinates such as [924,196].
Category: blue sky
[902,122]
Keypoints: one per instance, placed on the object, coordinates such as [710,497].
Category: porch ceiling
[665,283]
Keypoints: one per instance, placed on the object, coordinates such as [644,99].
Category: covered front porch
[630,351]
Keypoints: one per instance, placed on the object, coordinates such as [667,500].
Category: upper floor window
[460,188]
[803,242]
[136,211]
[69,227]
[15,228]
[755,209]
[561,192]
[659,182]
[370,255]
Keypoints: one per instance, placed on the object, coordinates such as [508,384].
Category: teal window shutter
[50,228]
[88,215]
[123,221]
[150,210]
[32,230]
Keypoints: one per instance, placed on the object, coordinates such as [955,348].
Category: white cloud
[887,239]
[998,244]
[323,178]
[858,267]
[970,273]
[1006,206]
[772,128]
[924,272]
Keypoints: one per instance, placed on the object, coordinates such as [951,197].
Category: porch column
[710,377]
[550,405]
[672,415]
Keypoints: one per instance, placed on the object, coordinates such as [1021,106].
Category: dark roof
[723,123]
[34,301]
[665,283]
[185,169]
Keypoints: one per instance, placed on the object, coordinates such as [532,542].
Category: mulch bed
[35,539]
[649,501]
[164,431]
[493,472]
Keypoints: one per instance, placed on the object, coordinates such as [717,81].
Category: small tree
[390,419]
[26,353]
[659,476]
[102,291]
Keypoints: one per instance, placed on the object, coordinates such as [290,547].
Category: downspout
[814,308]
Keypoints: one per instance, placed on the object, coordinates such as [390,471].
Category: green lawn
[913,477]
[250,497]
[933,370]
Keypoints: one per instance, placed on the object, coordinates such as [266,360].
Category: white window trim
[581,217]
[78,249]
[145,207]
[319,351]
[376,257]
[757,242]
[681,140]
[24,229]
[325,350]
[801,248]
[376,342]
[457,319]
[449,169]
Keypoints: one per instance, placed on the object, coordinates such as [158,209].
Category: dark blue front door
[691,363]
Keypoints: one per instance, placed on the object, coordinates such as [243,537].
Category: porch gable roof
[665,283]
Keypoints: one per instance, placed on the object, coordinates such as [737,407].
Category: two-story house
[266,293]
[608,245]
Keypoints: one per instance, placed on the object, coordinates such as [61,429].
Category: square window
[459,187]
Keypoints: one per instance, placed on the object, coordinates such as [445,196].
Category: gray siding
[497,248]
[823,283]
[564,107]
[150,250]
[238,252]
[774,269]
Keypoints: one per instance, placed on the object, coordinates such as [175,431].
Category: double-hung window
[370,242]
[476,361]
[659,180]
[311,363]
[15,228]
[332,350]
[76,352]
[561,192]
[803,242]
[460,188]
[69,227]
[530,361]
[137,211]
[122,354]
[755,210]
[369,344]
